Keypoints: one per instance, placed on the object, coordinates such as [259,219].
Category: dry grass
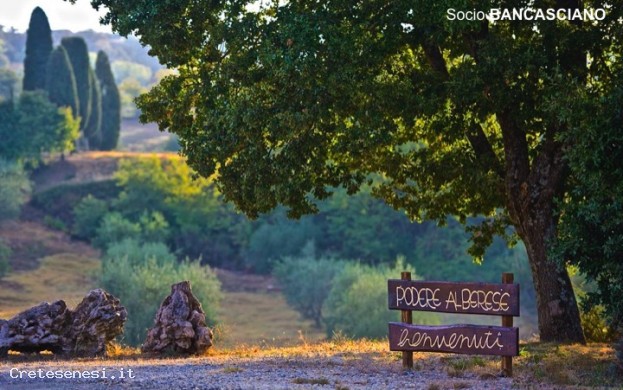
[571,364]
[65,276]
[261,318]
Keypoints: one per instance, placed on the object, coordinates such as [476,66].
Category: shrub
[61,200]
[138,253]
[306,282]
[142,286]
[115,228]
[14,189]
[154,227]
[5,253]
[357,303]
[88,214]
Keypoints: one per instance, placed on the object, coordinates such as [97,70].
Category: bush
[14,189]
[138,253]
[88,214]
[142,285]
[115,228]
[154,227]
[5,253]
[306,282]
[61,200]
[357,303]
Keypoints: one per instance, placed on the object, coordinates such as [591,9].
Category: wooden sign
[463,339]
[448,297]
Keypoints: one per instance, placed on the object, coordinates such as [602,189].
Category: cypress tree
[60,81]
[38,49]
[111,103]
[92,131]
[78,55]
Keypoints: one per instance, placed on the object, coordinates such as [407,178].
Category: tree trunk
[531,190]
[559,318]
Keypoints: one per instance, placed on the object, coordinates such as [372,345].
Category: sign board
[462,339]
[448,297]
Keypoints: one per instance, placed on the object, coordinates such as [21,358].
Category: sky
[62,15]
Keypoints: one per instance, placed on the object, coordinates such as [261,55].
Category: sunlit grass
[63,276]
[261,318]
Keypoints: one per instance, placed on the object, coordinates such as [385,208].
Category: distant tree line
[64,101]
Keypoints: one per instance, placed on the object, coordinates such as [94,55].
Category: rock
[96,321]
[53,327]
[36,329]
[179,325]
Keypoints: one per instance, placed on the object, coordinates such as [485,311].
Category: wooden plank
[463,339]
[449,297]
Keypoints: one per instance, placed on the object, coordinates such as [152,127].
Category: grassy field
[262,318]
[65,276]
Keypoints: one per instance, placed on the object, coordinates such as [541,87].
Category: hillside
[48,264]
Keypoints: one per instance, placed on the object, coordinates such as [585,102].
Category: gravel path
[337,372]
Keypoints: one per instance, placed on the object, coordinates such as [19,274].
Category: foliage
[60,82]
[111,103]
[129,89]
[5,254]
[93,129]
[114,228]
[61,200]
[276,237]
[14,191]
[595,327]
[199,224]
[79,57]
[142,285]
[38,49]
[88,214]
[138,253]
[591,231]
[306,282]
[357,303]
[34,126]
[8,84]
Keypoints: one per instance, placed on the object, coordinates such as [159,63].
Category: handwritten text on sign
[465,339]
[447,297]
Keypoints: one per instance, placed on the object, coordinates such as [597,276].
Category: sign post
[462,298]
[407,318]
[507,321]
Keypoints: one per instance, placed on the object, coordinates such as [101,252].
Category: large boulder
[85,331]
[37,329]
[179,325]
[95,322]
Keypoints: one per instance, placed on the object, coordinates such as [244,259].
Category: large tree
[78,54]
[111,103]
[92,131]
[287,100]
[33,125]
[38,49]
[60,82]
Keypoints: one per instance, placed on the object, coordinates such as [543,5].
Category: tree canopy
[79,57]
[38,49]
[34,125]
[286,101]
[60,82]
[93,128]
[111,103]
